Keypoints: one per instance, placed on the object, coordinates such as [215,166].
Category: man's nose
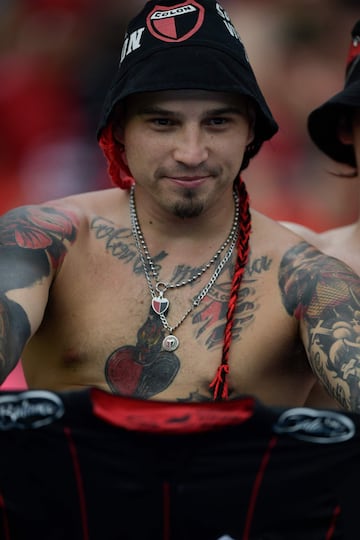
[191,146]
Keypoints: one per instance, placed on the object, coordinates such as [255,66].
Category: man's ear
[118,134]
[117,121]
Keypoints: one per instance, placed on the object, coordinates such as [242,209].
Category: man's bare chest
[101,328]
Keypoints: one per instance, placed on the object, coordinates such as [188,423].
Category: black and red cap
[172,45]
[323,122]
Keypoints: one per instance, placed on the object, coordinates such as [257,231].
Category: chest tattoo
[144,369]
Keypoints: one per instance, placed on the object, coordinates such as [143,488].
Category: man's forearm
[14,333]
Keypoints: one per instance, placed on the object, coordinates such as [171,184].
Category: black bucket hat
[172,45]
[323,122]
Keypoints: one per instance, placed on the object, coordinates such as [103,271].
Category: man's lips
[189,180]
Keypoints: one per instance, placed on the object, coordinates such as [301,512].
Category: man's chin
[188,209]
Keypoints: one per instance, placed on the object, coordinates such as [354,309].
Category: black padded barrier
[88,465]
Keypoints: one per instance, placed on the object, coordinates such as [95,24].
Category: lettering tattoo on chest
[327,295]
[120,243]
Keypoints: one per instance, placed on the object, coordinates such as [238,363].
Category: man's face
[185,148]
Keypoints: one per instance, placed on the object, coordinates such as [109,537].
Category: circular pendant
[170,343]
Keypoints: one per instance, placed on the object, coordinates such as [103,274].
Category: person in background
[168,286]
[334,127]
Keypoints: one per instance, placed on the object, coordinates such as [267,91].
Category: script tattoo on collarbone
[326,295]
[120,243]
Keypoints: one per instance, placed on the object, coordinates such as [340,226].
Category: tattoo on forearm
[326,295]
[337,391]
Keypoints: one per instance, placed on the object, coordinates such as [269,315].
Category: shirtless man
[335,129]
[167,287]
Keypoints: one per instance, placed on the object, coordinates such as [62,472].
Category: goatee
[190,207]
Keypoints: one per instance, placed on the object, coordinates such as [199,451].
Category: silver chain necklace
[160,304]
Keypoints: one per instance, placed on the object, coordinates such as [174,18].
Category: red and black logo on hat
[176,23]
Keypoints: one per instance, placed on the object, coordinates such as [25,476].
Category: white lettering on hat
[231,28]
[172,12]
[221,11]
[131,43]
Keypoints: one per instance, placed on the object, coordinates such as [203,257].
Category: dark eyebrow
[212,112]
[226,110]
[155,110]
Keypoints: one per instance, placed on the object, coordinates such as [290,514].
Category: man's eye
[162,122]
[217,121]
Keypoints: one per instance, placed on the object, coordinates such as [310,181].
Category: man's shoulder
[65,217]
[78,207]
[277,237]
[304,232]
[339,242]
[295,245]
[89,202]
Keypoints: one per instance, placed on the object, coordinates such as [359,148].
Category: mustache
[183,170]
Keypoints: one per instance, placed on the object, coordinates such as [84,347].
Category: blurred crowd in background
[57,58]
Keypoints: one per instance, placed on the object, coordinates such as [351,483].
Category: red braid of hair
[115,155]
[219,384]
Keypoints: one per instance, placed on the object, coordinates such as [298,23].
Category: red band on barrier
[169,417]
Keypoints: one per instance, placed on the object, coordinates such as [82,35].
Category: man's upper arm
[33,243]
[324,295]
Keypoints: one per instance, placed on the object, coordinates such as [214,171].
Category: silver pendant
[170,343]
[160,304]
